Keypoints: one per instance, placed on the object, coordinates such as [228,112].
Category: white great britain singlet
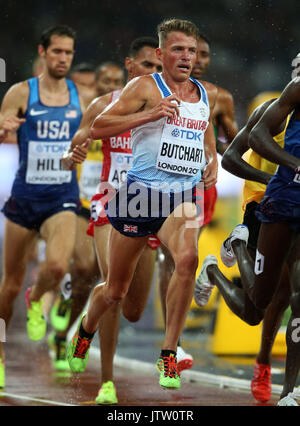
[169,153]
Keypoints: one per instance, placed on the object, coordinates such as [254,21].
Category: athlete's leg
[59,232]
[137,296]
[182,244]
[84,269]
[17,241]
[250,302]
[124,253]
[110,321]
[166,269]
[273,317]
[292,333]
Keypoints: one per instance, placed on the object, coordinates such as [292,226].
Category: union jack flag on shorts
[130,228]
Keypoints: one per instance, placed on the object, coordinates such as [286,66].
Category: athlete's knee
[186,262]
[112,294]
[57,269]
[10,289]
[261,299]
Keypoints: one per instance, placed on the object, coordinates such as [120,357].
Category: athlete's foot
[78,349]
[36,323]
[184,360]
[289,400]
[58,348]
[228,257]
[261,384]
[2,374]
[61,313]
[169,374]
[203,286]
[107,394]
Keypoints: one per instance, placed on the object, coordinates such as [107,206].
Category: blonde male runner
[165,110]
[117,158]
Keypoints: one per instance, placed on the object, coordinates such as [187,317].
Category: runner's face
[86,79]
[58,56]
[144,63]
[111,78]
[202,59]
[178,55]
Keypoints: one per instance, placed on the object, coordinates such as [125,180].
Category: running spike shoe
[36,323]
[58,347]
[107,394]
[261,384]
[2,374]
[60,313]
[228,257]
[203,286]
[78,350]
[169,375]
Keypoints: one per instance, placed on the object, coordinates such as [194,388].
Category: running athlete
[278,239]
[258,171]
[117,159]
[84,75]
[224,122]
[84,272]
[109,77]
[161,109]
[46,112]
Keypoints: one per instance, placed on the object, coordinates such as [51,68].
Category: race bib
[181,150]
[120,164]
[44,163]
[89,178]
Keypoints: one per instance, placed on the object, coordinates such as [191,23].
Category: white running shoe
[289,400]
[203,287]
[184,360]
[228,257]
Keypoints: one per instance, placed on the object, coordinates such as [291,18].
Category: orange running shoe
[261,384]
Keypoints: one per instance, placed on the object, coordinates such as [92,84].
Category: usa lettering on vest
[54,130]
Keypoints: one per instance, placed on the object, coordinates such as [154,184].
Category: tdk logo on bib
[175,133]
[186,134]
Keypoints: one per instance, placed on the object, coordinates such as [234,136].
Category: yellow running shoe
[2,374]
[36,323]
[107,394]
[78,350]
[169,374]
[58,348]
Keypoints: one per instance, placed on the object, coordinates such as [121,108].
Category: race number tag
[181,150]
[259,263]
[120,164]
[44,163]
[297,178]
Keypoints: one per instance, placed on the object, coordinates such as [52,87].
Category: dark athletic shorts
[32,214]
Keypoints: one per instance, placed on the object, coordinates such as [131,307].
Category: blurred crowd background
[253,43]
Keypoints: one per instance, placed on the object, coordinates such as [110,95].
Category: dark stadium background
[253,42]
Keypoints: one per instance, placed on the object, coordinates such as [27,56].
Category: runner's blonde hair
[170,25]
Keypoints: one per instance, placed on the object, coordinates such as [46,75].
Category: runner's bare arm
[261,136]
[81,140]
[225,118]
[12,110]
[210,173]
[134,108]
[233,161]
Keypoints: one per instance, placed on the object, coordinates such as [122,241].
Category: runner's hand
[10,124]
[167,107]
[210,174]
[77,156]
